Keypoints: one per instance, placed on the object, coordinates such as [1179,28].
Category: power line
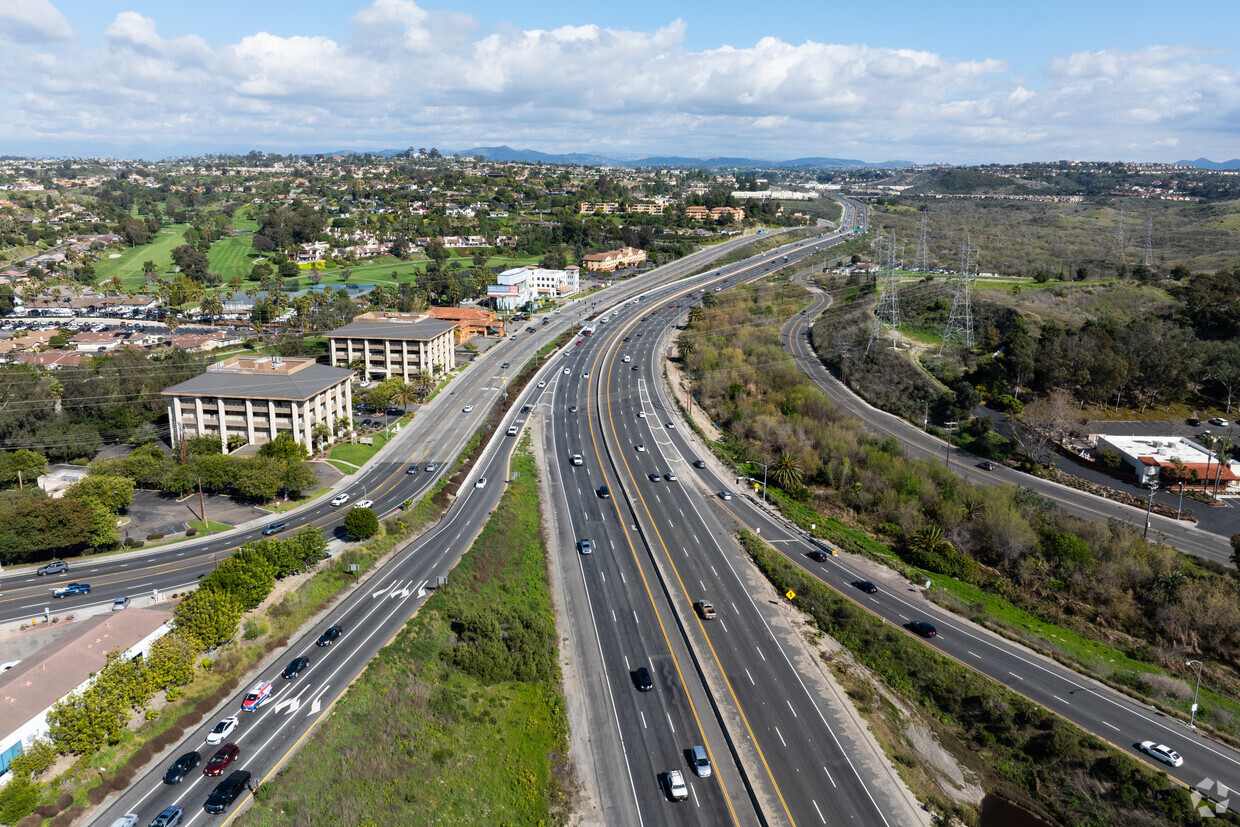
[922,262]
[960,320]
[887,312]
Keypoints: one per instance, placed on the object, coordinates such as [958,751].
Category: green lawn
[212,527]
[427,742]
[128,267]
[233,256]
[356,453]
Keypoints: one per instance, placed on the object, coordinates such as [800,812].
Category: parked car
[330,636]
[219,762]
[339,500]
[120,603]
[1162,752]
[72,589]
[59,567]
[923,628]
[275,528]
[256,697]
[295,666]
[226,792]
[170,817]
[222,729]
[181,767]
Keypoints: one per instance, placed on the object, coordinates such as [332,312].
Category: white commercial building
[1166,460]
[522,285]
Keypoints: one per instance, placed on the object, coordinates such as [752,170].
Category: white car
[339,500]
[128,820]
[641,448]
[1219,421]
[365,504]
[671,476]
[585,375]
[222,730]
[467,409]
[542,383]
[481,483]
[577,459]
[671,424]
[677,790]
[641,414]
[727,495]
[628,359]
[1162,752]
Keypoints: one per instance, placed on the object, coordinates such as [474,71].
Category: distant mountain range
[507,153]
[1206,163]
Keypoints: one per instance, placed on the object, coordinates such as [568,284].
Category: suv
[59,567]
[168,818]
[339,500]
[700,761]
[275,528]
[226,792]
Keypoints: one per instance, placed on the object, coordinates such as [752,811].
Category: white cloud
[407,75]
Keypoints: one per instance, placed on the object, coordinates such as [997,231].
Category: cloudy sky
[963,81]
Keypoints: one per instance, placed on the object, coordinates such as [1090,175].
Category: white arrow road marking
[396,589]
[381,591]
[293,704]
[315,704]
[422,589]
[405,592]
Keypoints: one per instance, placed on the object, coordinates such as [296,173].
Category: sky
[957,81]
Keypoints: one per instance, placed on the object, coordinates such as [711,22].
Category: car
[72,589]
[923,628]
[412,469]
[637,367]
[181,767]
[512,430]
[705,609]
[59,567]
[1193,421]
[642,680]
[670,476]
[275,528]
[700,761]
[572,409]
[365,504]
[1219,421]
[585,547]
[986,465]
[817,556]
[481,483]
[127,820]
[866,586]
[330,636]
[699,463]
[641,414]
[467,409]
[671,424]
[256,697]
[1162,752]
[366,423]
[578,341]
[604,492]
[566,371]
[120,603]
[542,383]
[432,467]
[577,460]
[653,476]
[295,666]
[505,366]
[226,792]
[585,375]
[170,817]
[627,358]
[675,784]
[640,448]
[529,328]
[219,762]
[339,500]
[628,339]
[725,495]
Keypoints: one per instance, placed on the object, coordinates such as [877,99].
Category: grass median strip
[460,719]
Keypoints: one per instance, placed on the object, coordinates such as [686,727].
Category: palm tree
[1226,453]
[710,300]
[696,314]
[235,283]
[211,305]
[931,540]
[684,344]
[424,381]
[405,394]
[786,471]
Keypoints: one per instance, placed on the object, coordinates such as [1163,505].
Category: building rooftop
[413,327]
[266,377]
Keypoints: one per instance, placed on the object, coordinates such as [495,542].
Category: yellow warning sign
[790,594]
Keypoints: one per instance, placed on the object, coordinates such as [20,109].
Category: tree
[361,523]
[786,471]
[284,447]
[1235,550]
[209,615]
[112,491]
[148,267]
[171,661]
[346,274]
[193,262]
[211,305]
[30,464]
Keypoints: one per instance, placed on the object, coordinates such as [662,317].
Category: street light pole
[1149,506]
[951,429]
[1193,717]
[763,480]
[1181,508]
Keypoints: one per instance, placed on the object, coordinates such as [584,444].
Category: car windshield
[221,726]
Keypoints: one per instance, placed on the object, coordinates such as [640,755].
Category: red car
[635,367]
[578,341]
[221,760]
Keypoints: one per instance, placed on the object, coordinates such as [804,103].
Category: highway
[375,611]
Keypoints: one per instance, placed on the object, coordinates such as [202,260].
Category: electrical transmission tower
[1118,255]
[923,254]
[1147,256]
[887,313]
[960,320]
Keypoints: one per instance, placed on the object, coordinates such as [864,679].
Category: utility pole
[1181,508]
[960,320]
[951,429]
[1192,720]
[1149,506]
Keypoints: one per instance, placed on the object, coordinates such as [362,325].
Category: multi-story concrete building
[522,285]
[259,398]
[395,344]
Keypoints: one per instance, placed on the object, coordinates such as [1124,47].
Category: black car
[923,628]
[818,555]
[181,767]
[59,567]
[866,586]
[986,465]
[699,463]
[1194,421]
[604,492]
[295,667]
[653,477]
[226,792]
[275,528]
[642,680]
[329,637]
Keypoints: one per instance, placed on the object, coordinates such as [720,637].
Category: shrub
[190,532]
[255,628]
[361,523]
[134,542]
[155,535]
